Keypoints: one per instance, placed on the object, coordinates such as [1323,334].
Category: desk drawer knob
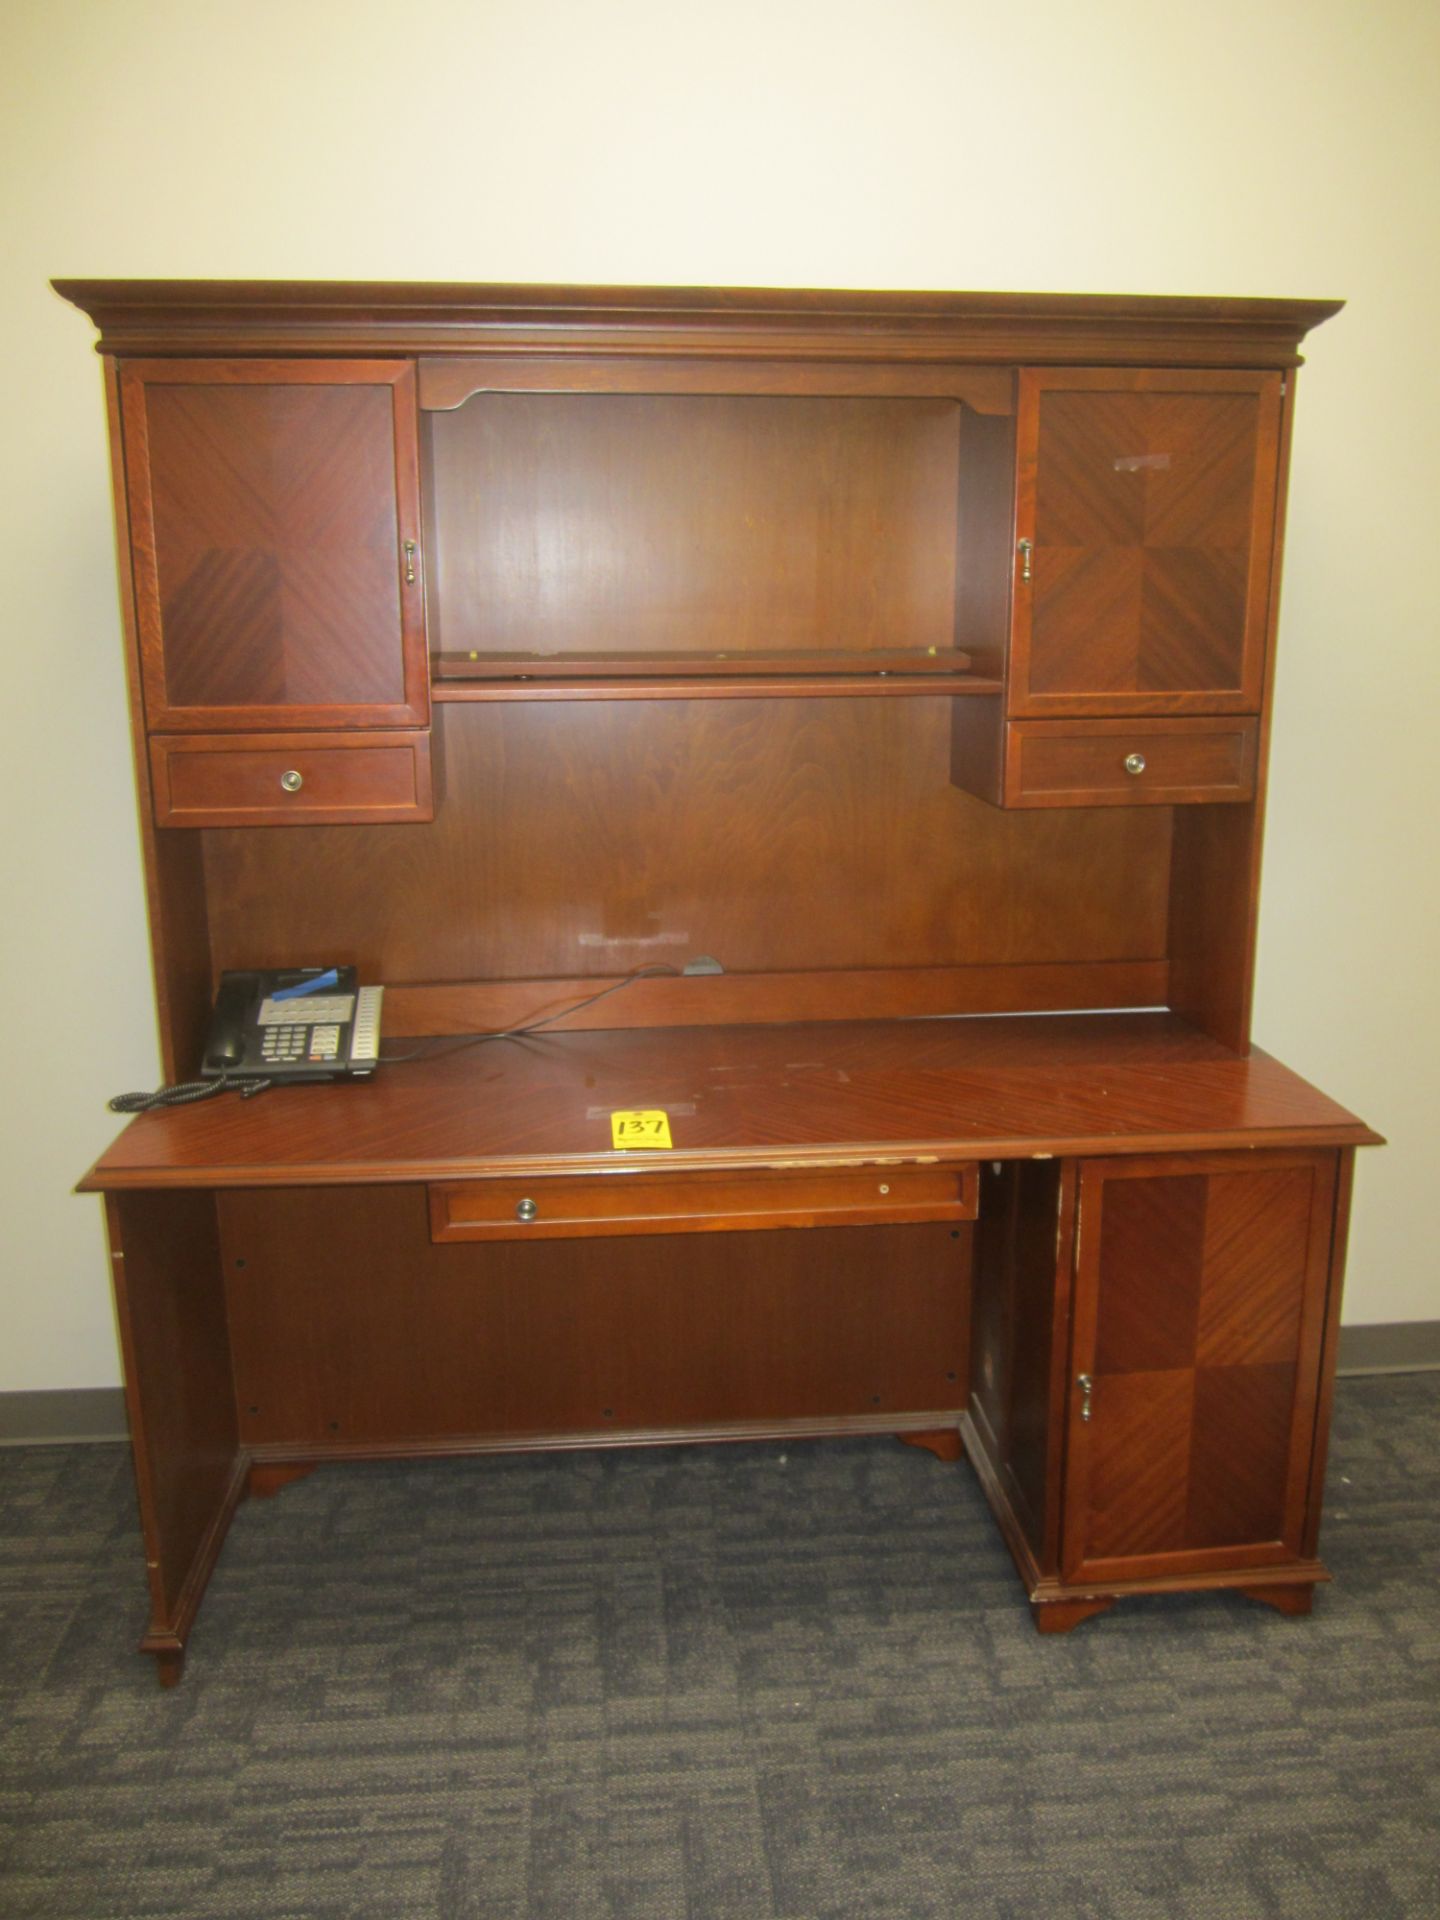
[527,1210]
[292,781]
[1134,763]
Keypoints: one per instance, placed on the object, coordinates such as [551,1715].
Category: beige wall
[1286,149]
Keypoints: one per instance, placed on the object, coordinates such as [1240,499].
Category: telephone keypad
[284,1046]
[280,1045]
[324,1043]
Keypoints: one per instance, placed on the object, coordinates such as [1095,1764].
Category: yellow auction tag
[645,1127]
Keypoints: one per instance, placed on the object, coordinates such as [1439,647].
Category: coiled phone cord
[185,1091]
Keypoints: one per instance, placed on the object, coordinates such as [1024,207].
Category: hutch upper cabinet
[848,713]
[1144,519]
[276,518]
[1141,577]
[276,521]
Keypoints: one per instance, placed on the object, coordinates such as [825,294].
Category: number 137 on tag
[640,1127]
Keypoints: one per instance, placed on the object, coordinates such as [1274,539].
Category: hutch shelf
[837,721]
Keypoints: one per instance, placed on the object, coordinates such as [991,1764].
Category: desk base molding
[1289,1590]
[280,1462]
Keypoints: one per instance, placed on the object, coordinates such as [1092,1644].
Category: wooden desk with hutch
[905,657]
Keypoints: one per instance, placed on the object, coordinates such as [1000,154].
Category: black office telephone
[300,1023]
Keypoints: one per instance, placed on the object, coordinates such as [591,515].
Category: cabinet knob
[292,781]
[527,1210]
[1134,763]
[1087,1387]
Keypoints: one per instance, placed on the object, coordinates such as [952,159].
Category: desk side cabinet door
[1199,1309]
[1145,519]
[275,528]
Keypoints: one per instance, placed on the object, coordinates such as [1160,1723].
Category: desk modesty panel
[834,726]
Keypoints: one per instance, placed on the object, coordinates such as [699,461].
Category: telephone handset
[300,1023]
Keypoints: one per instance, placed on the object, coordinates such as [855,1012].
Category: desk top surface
[758,1096]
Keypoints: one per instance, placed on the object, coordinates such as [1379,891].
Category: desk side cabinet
[1171,1430]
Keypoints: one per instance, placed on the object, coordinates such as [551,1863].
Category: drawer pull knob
[527,1210]
[1134,763]
[292,781]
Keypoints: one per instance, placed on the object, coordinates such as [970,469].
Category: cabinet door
[1200,1295]
[274,510]
[1148,504]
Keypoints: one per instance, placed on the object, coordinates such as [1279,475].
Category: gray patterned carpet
[711,1684]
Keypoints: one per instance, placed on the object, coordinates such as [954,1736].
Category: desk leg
[943,1442]
[1296,1600]
[190,1469]
[1060,1616]
[268,1477]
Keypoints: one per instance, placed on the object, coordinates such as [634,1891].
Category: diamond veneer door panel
[1149,499]
[1199,1313]
[270,504]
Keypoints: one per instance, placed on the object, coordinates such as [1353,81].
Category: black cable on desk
[185,1091]
[658,968]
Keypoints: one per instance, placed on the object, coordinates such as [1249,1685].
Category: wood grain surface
[449,1344]
[269,503]
[746,1097]
[1201,1293]
[582,840]
[567,523]
[1150,501]
[227,779]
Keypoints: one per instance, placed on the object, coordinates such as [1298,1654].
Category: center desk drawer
[1120,763]
[559,1207]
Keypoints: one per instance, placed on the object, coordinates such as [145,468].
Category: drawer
[557,1207]
[1125,763]
[282,779]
